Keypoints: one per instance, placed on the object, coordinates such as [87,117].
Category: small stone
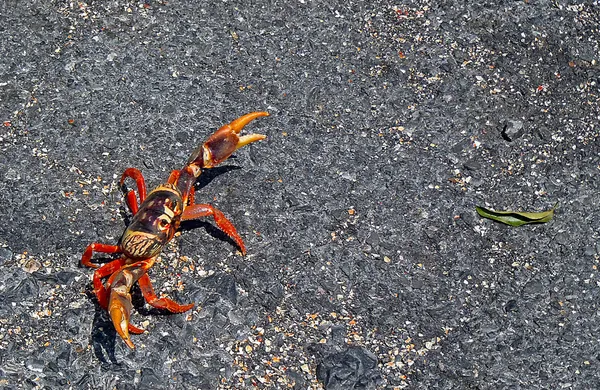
[35,365]
[590,250]
[5,255]
[418,284]
[373,239]
[354,368]
[511,306]
[512,130]
[32,265]
[472,165]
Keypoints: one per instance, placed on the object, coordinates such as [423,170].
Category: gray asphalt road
[367,265]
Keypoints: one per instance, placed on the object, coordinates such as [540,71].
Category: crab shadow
[208,175]
[103,334]
[212,230]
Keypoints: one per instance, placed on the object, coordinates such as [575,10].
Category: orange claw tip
[129,343]
[248,139]
[121,323]
[238,124]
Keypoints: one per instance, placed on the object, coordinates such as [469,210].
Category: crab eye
[163,223]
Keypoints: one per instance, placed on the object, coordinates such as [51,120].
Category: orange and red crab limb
[86,258]
[102,272]
[136,175]
[119,303]
[160,303]
[102,294]
[195,211]
[174,177]
[217,148]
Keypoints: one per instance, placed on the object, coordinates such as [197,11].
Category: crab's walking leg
[196,211]
[102,272]
[192,196]
[102,294]
[86,258]
[160,303]
[136,175]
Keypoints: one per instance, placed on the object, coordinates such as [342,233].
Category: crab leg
[160,303]
[205,210]
[102,272]
[174,177]
[86,258]
[136,175]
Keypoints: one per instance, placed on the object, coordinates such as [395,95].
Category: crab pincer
[223,142]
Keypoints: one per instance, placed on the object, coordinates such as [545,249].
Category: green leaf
[514,218]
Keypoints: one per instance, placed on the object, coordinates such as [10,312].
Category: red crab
[155,220]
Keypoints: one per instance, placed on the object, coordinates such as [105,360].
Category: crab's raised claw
[219,146]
